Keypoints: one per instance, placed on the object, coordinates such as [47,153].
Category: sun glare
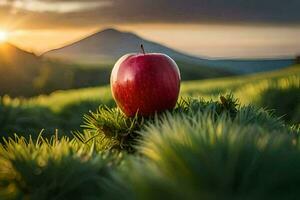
[3,36]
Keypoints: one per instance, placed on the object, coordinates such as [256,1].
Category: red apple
[145,83]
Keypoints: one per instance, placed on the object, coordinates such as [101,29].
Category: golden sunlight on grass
[3,36]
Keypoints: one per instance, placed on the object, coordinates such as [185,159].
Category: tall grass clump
[280,95]
[208,157]
[111,129]
[284,98]
[52,169]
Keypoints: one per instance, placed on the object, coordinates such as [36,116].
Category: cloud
[73,13]
[57,6]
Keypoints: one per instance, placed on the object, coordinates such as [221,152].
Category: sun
[3,36]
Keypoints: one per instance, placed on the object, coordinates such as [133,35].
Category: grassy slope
[278,90]
[64,109]
[248,89]
[203,88]
[214,86]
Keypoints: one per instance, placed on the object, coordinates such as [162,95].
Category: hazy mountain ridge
[12,54]
[110,44]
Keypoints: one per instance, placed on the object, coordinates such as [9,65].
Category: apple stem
[143,50]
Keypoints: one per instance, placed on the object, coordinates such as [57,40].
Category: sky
[212,28]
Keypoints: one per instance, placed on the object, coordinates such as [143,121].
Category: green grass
[201,149]
[211,149]
[215,86]
[215,158]
[278,91]
[204,88]
[55,169]
[113,130]
[61,110]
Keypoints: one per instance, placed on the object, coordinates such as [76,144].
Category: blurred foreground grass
[202,149]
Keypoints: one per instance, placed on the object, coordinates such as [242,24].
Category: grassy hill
[64,109]
[278,91]
[12,76]
[241,86]
[233,84]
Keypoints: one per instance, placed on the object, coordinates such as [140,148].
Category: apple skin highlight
[145,83]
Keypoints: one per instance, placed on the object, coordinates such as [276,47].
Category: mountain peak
[115,33]
[110,30]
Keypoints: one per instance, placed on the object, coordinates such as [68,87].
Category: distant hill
[108,45]
[24,74]
[10,54]
[17,69]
